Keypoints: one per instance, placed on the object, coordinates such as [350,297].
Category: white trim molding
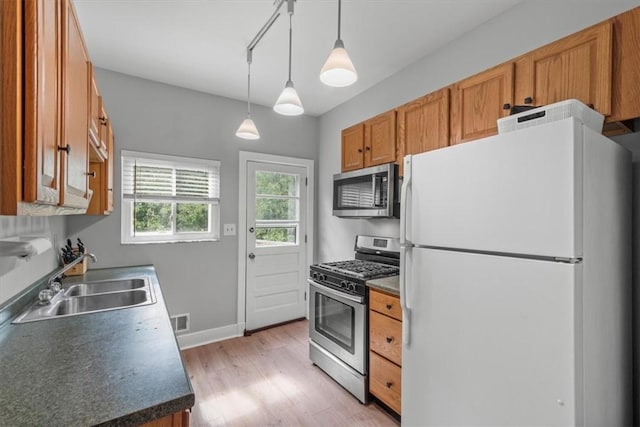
[245,158]
[208,336]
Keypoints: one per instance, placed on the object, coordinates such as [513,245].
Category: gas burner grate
[361,269]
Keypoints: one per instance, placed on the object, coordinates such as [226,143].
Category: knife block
[78,269]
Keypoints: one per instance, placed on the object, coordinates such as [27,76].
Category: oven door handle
[328,290]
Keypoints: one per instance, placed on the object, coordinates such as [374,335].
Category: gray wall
[17,274]
[526,26]
[196,278]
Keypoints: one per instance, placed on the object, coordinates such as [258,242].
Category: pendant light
[338,70]
[288,103]
[247,129]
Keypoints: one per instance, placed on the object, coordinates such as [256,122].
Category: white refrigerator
[516,281]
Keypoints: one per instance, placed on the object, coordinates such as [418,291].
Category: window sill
[155,242]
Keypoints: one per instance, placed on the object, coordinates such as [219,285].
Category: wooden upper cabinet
[95,105]
[423,125]
[578,66]
[101,180]
[109,168]
[97,123]
[42,85]
[625,94]
[353,148]
[480,100]
[370,143]
[75,109]
[380,139]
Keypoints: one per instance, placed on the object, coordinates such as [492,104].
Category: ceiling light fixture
[288,103]
[338,70]
[247,129]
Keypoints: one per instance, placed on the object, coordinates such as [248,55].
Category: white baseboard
[209,336]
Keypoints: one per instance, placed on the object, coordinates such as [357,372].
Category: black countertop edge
[153,413]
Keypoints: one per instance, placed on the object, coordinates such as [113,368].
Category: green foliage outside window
[156,217]
[274,208]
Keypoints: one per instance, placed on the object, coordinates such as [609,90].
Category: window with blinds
[169,198]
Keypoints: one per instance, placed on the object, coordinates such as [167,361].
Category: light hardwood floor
[267,379]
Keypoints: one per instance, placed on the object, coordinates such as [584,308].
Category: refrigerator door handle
[404,194]
[404,301]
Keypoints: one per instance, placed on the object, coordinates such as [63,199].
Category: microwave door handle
[375,186]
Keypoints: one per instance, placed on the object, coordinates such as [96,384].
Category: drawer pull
[389,306]
[389,339]
[389,384]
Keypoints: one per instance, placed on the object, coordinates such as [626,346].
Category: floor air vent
[180,322]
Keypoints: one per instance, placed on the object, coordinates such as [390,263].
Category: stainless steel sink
[92,297]
[100,302]
[82,289]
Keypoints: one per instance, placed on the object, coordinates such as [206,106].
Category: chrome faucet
[53,283]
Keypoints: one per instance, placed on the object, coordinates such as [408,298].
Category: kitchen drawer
[385,381]
[386,304]
[385,336]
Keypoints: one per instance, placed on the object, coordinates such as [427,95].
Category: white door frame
[245,157]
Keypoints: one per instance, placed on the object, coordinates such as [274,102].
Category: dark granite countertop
[119,367]
[387,284]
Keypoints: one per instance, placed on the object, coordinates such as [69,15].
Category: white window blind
[169,198]
[147,176]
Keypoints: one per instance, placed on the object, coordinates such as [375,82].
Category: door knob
[251,230]
[252,255]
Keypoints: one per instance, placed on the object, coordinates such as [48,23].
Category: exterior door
[276,249]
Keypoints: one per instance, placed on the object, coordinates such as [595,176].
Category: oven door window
[335,321]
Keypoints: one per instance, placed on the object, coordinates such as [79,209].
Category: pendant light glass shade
[247,129]
[288,103]
[338,70]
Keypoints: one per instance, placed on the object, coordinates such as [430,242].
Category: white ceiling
[201,44]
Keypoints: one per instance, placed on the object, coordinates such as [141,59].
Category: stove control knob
[343,284]
[322,276]
[352,287]
[314,275]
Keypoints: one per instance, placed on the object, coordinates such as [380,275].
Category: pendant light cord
[249,89]
[339,16]
[290,38]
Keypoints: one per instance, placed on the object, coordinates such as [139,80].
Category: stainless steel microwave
[366,193]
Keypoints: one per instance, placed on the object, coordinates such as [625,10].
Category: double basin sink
[91,297]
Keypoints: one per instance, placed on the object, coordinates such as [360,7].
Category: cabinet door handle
[389,340]
[92,174]
[66,148]
[359,150]
[528,100]
[388,384]
[389,306]
[367,148]
[103,120]
[506,106]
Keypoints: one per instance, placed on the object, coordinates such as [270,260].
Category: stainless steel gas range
[338,310]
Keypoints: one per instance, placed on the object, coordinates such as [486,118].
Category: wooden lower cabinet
[385,381]
[179,419]
[385,348]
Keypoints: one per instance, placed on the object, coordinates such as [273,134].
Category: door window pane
[276,209]
[276,236]
[276,184]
